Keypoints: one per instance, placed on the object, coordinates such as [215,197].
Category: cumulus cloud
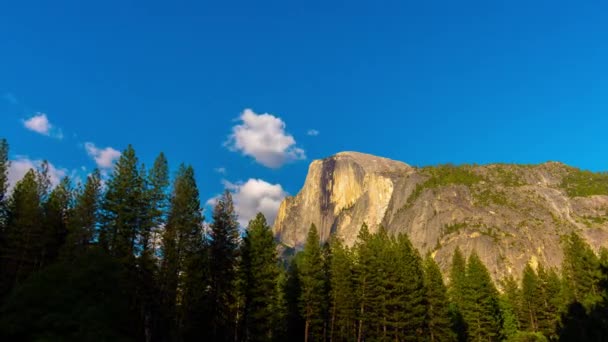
[263,137]
[220,170]
[104,157]
[313,132]
[40,123]
[22,164]
[252,197]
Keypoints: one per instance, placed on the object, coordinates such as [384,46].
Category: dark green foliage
[551,302]
[157,202]
[312,282]
[84,216]
[438,322]
[292,289]
[123,213]
[24,234]
[84,299]
[342,295]
[511,307]
[182,247]
[480,303]
[531,299]
[458,277]
[260,272]
[443,175]
[390,288]
[581,270]
[585,183]
[55,212]
[224,242]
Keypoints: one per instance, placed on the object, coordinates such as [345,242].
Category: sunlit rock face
[339,194]
[509,214]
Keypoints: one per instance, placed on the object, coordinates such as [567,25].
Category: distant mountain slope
[510,214]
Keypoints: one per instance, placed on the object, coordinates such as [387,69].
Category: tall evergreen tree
[438,315]
[342,295]
[531,298]
[456,290]
[551,301]
[366,283]
[83,218]
[157,181]
[224,242]
[511,307]
[405,292]
[312,279]
[480,303]
[181,247]
[581,270]
[24,235]
[260,271]
[122,214]
[292,290]
[55,210]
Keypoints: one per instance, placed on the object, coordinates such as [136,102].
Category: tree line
[131,258]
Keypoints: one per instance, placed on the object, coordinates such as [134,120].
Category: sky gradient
[422,82]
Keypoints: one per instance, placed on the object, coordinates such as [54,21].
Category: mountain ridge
[511,214]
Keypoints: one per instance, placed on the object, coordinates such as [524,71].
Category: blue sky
[424,82]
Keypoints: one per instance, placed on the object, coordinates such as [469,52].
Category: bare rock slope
[510,214]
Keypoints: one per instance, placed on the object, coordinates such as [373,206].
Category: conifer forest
[129,256]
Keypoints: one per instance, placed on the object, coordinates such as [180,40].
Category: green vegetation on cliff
[584,183]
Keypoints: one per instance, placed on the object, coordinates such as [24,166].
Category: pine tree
[312,279]
[157,203]
[531,298]
[55,210]
[181,249]
[405,292]
[259,269]
[581,270]
[122,209]
[224,242]
[480,303]
[438,315]
[456,291]
[551,302]
[510,302]
[366,283]
[342,295]
[83,218]
[24,235]
[292,291]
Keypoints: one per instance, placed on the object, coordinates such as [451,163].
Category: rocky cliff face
[509,214]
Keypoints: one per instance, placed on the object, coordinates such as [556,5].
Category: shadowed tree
[259,271]
[438,315]
[224,242]
[83,218]
[24,234]
[312,280]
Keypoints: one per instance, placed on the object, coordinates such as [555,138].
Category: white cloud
[252,197]
[313,132]
[263,137]
[22,164]
[104,157]
[220,170]
[40,123]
